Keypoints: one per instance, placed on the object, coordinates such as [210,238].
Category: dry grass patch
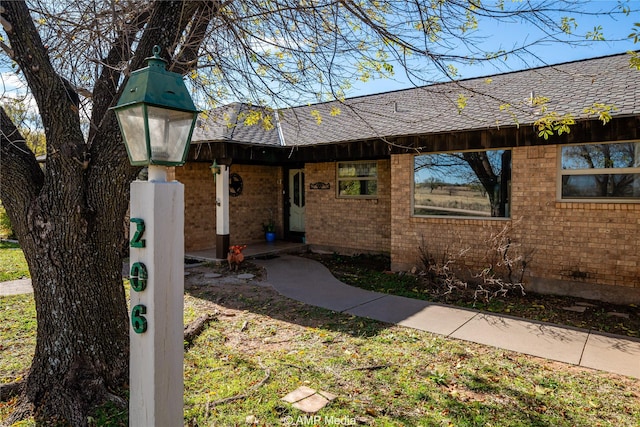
[263,346]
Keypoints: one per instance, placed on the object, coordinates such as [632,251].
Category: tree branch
[48,88]
[242,395]
[186,59]
[195,328]
[20,168]
[105,88]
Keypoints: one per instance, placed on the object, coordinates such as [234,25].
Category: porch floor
[253,250]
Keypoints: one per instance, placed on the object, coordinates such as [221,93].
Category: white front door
[296,200]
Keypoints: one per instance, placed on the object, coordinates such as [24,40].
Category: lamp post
[156,116]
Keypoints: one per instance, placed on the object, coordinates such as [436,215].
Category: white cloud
[14,87]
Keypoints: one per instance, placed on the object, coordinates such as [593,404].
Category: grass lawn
[264,346]
[12,263]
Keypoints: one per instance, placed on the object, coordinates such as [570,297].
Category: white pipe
[157,173]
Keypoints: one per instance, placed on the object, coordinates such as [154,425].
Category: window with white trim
[462,184]
[357,179]
[594,172]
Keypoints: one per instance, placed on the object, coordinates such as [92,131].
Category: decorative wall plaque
[235,185]
[320,186]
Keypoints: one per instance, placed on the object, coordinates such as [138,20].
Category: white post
[222,212]
[156,331]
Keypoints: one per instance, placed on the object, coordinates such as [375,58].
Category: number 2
[137,241]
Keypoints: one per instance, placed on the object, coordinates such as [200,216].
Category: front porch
[253,250]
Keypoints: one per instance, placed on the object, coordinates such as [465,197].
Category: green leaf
[316,115]
[462,102]
[596,34]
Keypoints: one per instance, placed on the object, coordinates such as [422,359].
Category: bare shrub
[440,269]
[505,265]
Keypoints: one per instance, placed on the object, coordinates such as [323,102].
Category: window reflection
[605,185]
[586,171]
[358,179]
[472,183]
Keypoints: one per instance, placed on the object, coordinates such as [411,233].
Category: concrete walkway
[16,287]
[308,281]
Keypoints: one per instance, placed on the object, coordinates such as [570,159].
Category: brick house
[452,168]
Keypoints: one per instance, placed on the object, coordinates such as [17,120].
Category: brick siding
[347,225]
[247,212]
[572,245]
[199,205]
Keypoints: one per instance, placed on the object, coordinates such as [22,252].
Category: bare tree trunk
[479,163]
[69,217]
[75,260]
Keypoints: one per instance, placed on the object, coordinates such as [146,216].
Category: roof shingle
[569,87]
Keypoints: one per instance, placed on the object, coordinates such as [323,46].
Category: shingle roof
[569,87]
[227,124]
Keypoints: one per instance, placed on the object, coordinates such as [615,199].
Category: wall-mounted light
[215,169]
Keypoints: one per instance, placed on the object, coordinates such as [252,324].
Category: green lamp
[156,115]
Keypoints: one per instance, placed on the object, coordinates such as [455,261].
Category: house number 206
[138,278]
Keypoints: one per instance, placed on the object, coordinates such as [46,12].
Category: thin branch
[195,328]
[242,395]
[7,49]
[371,368]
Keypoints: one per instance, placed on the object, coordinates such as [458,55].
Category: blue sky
[615,29]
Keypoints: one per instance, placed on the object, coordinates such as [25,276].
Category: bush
[6,231]
[504,271]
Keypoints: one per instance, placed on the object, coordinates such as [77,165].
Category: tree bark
[481,166]
[69,220]
[82,334]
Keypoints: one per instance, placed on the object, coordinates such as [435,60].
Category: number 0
[138,277]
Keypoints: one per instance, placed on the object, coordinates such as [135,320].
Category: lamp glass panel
[168,133]
[132,126]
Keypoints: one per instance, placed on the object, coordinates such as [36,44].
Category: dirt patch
[246,302]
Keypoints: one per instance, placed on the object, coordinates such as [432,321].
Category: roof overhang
[584,131]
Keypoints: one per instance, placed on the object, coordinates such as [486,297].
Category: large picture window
[358,179]
[464,184]
[600,171]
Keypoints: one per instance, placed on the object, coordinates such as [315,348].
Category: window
[600,171]
[462,184]
[358,179]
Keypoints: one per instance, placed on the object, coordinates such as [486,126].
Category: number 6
[138,321]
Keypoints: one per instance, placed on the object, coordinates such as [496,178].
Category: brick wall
[583,249]
[247,212]
[262,191]
[582,243]
[347,225]
[199,205]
